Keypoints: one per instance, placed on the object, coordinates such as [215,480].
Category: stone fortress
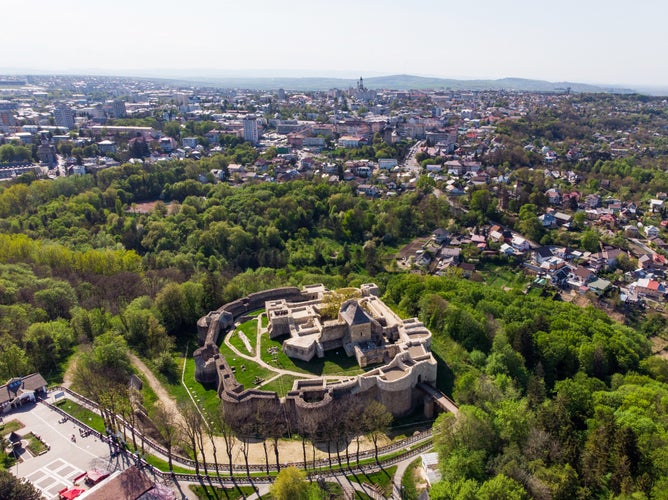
[365,328]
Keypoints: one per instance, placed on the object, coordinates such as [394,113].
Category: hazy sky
[593,41]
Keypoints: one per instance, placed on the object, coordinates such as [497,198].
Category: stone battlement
[367,328]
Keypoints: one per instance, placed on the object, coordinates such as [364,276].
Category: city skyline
[593,42]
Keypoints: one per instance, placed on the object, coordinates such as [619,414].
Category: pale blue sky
[594,41]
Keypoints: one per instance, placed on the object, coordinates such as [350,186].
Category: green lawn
[281,385]
[334,362]
[6,461]
[35,446]
[216,492]
[206,396]
[148,395]
[382,479]
[93,420]
[409,487]
[163,465]
[245,371]
[501,276]
[174,387]
[11,426]
[249,328]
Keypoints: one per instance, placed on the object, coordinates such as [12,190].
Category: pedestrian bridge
[443,402]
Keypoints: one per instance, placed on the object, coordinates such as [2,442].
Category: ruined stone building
[364,327]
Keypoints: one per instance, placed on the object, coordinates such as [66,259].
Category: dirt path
[290,449]
[68,376]
[156,385]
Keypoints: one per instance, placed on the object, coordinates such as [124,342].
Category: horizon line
[265,74]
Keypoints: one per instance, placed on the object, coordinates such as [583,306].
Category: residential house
[645,262]
[651,232]
[606,259]
[593,200]
[218,174]
[495,234]
[368,190]
[167,144]
[454,167]
[542,254]
[423,258]
[387,163]
[553,196]
[649,287]
[562,219]
[450,253]
[615,206]
[631,231]
[548,220]
[660,244]
[520,244]
[553,264]
[189,142]
[467,269]
[571,199]
[348,141]
[507,249]
[479,241]
[235,169]
[107,147]
[440,236]
[480,179]
[655,205]
[580,276]
[454,190]
[600,286]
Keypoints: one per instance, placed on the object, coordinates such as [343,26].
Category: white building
[430,467]
[64,117]
[250,129]
[387,163]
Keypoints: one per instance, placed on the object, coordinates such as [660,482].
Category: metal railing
[326,466]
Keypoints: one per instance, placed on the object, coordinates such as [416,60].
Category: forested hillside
[79,259]
[557,401]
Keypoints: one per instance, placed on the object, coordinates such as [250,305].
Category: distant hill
[400,82]
[523,84]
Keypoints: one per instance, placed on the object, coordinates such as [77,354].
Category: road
[410,162]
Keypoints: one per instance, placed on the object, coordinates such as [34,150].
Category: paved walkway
[66,459]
